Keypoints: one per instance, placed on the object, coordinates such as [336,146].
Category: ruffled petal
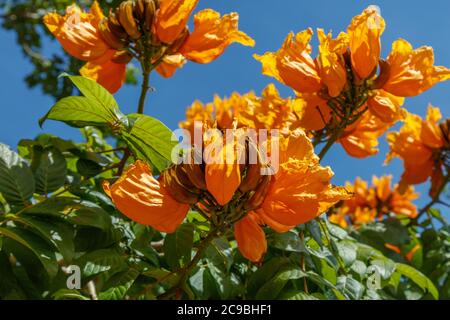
[293,64]
[212,35]
[172,18]
[364,33]
[412,72]
[77,32]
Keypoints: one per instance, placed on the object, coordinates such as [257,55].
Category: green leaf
[73,210]
[88,168]
[56,233]
[288,241]
[95,92]
[201,283]
[385,267]
[119,284]
[178,246]
[97,107]
[219,253]
[347,251]
[36,245]
[150,140]
[314,228]
[67,294]
[350,287]
[418,278]
[96,262]
[267,271]
[16,178]
[295,295]
[272,288]
[78,112]
[50,169]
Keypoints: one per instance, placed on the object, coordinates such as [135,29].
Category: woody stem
[336,135]
[144,88]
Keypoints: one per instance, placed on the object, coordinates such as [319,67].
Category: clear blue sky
[268,22]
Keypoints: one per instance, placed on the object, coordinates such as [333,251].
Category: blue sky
[268,22]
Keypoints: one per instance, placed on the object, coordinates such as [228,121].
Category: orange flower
[375,202]
[212,35]
[143,199]
[269,111]
[99,40]
[348,91]
[301,189]
[419,143]
[360,140]
[365,45]
[237,194]
[331,61]
[312,112]
[293,64]
[78,33]
[386,107]
[412,72]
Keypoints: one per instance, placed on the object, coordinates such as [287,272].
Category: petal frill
[212,35]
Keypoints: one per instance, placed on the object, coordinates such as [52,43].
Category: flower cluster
[235,193]
[349,93]
[424,147]
[374,203]
[153,31]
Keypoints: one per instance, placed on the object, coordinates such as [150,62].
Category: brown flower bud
[178,43]
[109,37]
[172,182]
[196,175]
[257,199]
[126,19]
[383,76]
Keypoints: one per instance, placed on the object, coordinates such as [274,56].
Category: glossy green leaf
[58,234]
[36,245]
[150,140]
[178,246]
[16,178]
[50,169]
[119,284]
[418,278]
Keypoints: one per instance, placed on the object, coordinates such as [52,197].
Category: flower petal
[293,64]
[412,71]
[109,74]
[170,65]
[364,33]
[250,238]
[139,196]
[212,35]
[172,18]
[77,32]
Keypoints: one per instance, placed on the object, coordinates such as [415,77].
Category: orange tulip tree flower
[424,147]
[374,202]
[348,79]
[153,31]
[236,194]
[270,111]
